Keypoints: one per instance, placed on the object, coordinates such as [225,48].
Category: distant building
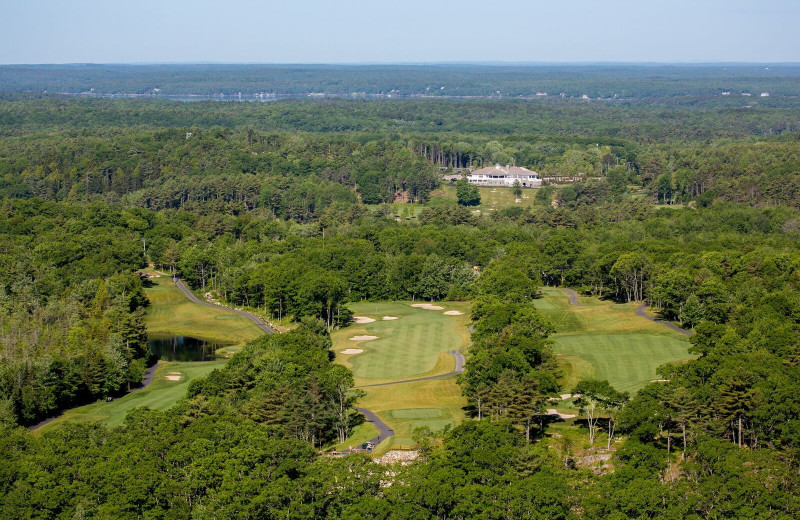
[765,94]
[505,176]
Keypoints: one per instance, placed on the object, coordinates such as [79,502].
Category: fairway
[608,341]
[161,394]
[170,312]
[413,345]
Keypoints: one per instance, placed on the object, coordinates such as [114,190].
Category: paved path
[148,378]
[573,297]
[458,370]
[384,432]
[252,317]
[640,311]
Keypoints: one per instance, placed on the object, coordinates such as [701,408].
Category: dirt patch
[362,319]
[363,338]
[349,351]
[389,318]
[173,376]
[427,307]
[453,313]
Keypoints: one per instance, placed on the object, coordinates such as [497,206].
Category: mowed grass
[170,312]
[161,394]
[608,341]
[412,346]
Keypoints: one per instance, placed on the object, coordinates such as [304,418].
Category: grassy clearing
[161,394]
[608,341]
[170,312]
[492,199]
[414,345]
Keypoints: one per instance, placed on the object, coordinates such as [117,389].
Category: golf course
[604,340]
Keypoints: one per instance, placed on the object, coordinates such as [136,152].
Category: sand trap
[427,307]
[173,376]
[389,318]
[453,313]
[362,319]
[553,411]
[349,351]
[363,338]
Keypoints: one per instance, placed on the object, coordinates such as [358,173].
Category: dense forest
[290,208]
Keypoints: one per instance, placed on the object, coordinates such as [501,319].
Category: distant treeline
[622,81]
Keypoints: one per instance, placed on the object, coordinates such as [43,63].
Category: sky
[401,31]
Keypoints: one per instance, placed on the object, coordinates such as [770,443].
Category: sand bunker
[389,318]
[453,313]
[362,319]
[428,307]
[173,376]
[553,411]
[349,351]
[363,338]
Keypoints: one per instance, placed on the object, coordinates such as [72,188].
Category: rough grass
[170,312]
[161,394]
[415,345]
[608,341]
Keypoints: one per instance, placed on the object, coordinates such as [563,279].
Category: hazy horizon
[358,32]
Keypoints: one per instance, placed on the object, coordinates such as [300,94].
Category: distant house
[504,176]
[765,94]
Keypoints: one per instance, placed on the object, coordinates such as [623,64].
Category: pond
[169,347]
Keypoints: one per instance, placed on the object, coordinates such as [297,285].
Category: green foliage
[467,194]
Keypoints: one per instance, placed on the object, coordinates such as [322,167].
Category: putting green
[416,413]
[608,341]
[414,345]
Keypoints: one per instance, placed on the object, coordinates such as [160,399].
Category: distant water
[169,347]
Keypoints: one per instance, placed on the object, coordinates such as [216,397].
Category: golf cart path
[640,311]
[384,432]
[148,378]
[252,317]
[573,296]
[459,357]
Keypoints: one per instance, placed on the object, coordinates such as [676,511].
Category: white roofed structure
[498,175]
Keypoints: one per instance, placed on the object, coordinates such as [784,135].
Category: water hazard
[169,347]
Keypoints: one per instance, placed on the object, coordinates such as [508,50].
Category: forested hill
[484,80]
